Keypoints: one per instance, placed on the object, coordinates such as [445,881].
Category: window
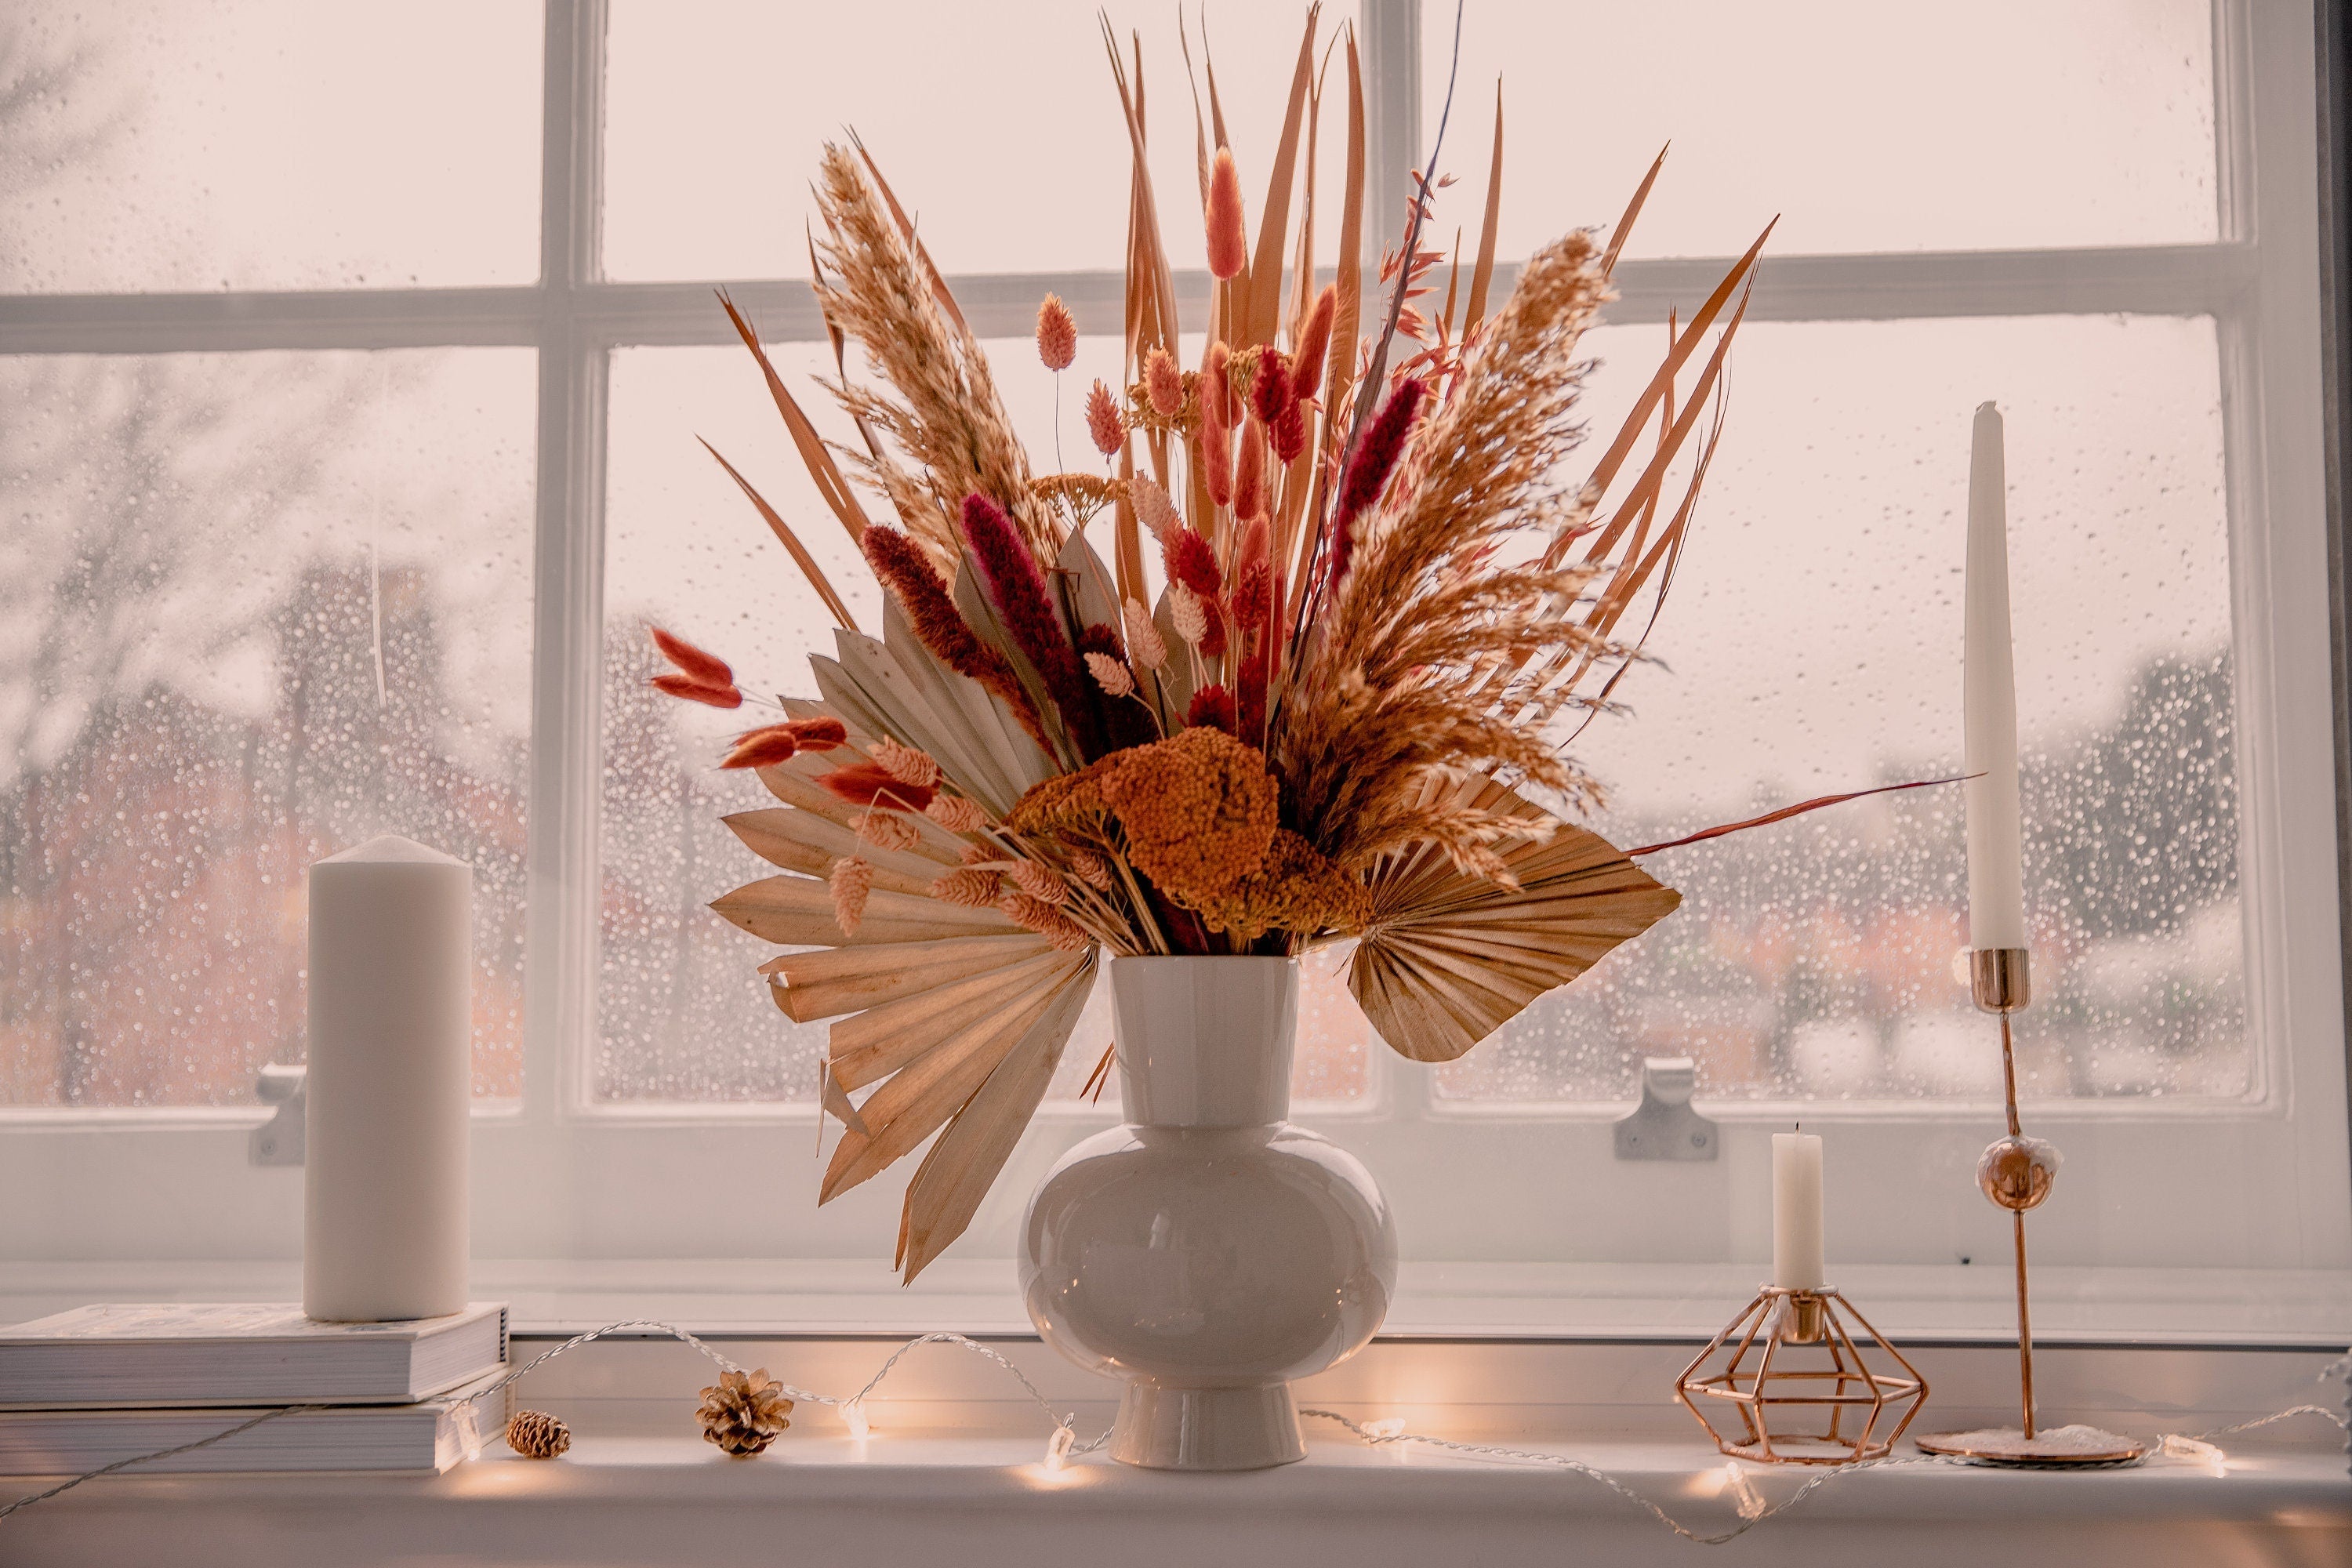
[338,495]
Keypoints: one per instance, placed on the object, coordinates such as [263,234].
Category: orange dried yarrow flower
[1163,384]
[1103,423]
[956,813]
[905,764]
[967,887]
[1297,888]
[1057,333]
[1065,801]
[852,880]
[1198,809]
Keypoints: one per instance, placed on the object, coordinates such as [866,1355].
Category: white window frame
[579,1179]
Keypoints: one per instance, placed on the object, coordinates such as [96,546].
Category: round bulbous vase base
[1165,1426]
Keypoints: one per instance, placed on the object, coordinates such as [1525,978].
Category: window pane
[685,1013]
[196,702]
[269,144]
[1864,126]
[997,126]
[1813,645]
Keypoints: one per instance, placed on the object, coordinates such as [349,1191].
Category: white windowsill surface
[954,1472]
[979,1501]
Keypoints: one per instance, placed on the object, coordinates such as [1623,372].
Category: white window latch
[1663,1126]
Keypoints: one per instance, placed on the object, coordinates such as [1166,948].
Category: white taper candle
[390,1083]
[1996,874]
[1797,1211]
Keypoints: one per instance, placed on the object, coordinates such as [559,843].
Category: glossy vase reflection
[1208,1251]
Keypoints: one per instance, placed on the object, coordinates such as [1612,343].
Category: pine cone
[536,1435]
[744,1412]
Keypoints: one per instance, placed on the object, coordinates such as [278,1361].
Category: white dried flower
[1184,607]
[1110,675]
[1152,507]
[1144,642]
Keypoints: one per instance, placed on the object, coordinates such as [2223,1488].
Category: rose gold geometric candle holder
[1795,1388]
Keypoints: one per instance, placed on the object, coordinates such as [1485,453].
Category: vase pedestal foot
[1162,1426]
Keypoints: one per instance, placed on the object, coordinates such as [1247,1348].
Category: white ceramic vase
[1208,1251]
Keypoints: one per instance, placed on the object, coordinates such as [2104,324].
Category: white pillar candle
[1996,876]
[1797,1211]
[390,1083]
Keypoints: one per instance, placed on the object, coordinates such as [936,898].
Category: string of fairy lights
[1064,1445]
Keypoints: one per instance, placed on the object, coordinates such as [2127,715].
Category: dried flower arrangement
[1381,610]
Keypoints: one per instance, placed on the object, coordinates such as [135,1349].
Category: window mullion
[568,577]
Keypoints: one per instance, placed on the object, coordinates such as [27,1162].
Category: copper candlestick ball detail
[1795,1388]
[2017,1173]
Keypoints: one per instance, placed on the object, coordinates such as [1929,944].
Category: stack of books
[86,1388]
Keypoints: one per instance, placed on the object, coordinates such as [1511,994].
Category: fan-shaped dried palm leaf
[1450,957]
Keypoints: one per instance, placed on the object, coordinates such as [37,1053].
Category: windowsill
[953,1469]
[981,1500]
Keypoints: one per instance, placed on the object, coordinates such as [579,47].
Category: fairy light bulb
[1057,1449]
[1386,1429]
[468,1428]
[853,1416]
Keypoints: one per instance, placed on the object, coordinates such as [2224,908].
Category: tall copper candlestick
[2017,1173]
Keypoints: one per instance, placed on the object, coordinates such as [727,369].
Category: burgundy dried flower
[1017,589]
[819,734]
[1212,636]
[939,627]
[1214,706]
[1368,473]
[1314,342]
[694,690]
[1254,596]
[762,748]
[704,668]
[1191,561]
[867,785]
[1228,236]
[1287,435]
[1126,723]
[1103,422]
[1270,389]
[1057,333]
